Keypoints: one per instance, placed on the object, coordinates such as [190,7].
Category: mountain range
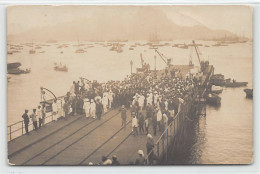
[144,24]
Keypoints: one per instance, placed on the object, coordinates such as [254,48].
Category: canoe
[249,93]
[63,68]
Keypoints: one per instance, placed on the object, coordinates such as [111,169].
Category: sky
[237,19]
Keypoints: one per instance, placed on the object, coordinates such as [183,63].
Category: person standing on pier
[110,98]
[141,122]
[105,101]
[26,120]
[134,125]
[149,149]
[99,109]
[87,107]
[54,110]
[146,125]
[123,116]
[92,109]
[39,114]
[33,116]
[115,161]
[43,114]
[140,159]
[159,119]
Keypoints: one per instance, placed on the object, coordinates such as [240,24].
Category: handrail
[22,127]
[164,132]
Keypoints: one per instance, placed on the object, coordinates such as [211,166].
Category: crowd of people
[153,98]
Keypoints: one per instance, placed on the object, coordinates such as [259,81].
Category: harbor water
[224,135]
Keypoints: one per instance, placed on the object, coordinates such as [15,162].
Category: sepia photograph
[120,85]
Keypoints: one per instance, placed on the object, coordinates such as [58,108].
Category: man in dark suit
[26,120]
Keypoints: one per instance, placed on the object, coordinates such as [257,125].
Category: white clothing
[93,109]
[134,122]
[159,115]
[86,108]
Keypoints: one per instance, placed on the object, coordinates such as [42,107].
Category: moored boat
[216,89]
[213,99]
[249,93]
[60,67]
[13,65]
[234,84]
[18,71]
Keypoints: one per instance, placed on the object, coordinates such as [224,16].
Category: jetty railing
[162,145]
[17,129]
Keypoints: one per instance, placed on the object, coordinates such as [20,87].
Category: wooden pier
[80,140]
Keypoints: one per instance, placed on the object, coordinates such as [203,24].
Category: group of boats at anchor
[116,46]
[14,68]
[218,81]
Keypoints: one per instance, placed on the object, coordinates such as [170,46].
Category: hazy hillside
[145,24]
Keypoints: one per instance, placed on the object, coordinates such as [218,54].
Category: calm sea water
[225,135]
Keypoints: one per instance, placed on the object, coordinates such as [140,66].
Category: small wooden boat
[234,84]
[60,67]
[216,89]
[249,93]
[13,65]
[80,51]
[32,52]
[18,71]
[213,99]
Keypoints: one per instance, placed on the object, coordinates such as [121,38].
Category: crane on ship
[166,60]
[197,53]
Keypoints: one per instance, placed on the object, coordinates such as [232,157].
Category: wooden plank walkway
[78,141]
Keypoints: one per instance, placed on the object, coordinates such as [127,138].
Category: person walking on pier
[123,116]
[33,116]
[26,120]
[39,115]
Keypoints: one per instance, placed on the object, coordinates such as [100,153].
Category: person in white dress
[54,110]
[105,101]
[110,97]
[92,108]
[86,107]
